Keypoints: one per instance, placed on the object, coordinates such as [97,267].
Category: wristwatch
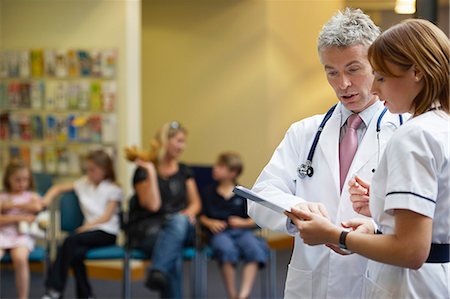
[342,237]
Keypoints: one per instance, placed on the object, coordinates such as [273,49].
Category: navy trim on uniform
[439,253]
[412,193]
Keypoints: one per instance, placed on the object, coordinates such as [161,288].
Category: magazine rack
[55,105]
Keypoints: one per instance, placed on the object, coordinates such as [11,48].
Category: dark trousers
[72,254]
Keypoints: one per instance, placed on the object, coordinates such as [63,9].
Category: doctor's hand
[359,195]
[313,207]
[314,229]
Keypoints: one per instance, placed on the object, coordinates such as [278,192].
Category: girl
[163,210]
[225,216]
[410,192]
[18,204]
[99,198]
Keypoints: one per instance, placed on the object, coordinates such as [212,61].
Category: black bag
[141,224]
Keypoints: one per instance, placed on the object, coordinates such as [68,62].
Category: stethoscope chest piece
[305,169]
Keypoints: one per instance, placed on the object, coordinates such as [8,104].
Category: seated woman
[163,210]
[224,214]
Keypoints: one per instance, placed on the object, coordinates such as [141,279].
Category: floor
[112,289]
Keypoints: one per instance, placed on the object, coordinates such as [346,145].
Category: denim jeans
[167,252]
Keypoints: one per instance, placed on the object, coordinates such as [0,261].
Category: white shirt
[94,199]
[414,174]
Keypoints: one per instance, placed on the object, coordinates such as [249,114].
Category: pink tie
[348,146]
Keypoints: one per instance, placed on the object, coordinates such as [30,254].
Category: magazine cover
[72,130]
[24,89]
[4,64]
[85,63]
[62,160]
[109,58]
[50,159]
[84,96]
[61,128]
[24,64]
[14,94]
[109,94]
[96,96]
[95,127]
[14,127]
[109,128]
[50,129]
[4,126]
[37,158]
[96,63]
[25,127]
[37,63]
[37,94]
[73,63]
[61,95]
[61,64]
[73,90]
[37,127]
[50,95]
[3,95]
[13,64]
[50,62]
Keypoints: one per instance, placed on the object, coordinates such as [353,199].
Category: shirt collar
[366,115]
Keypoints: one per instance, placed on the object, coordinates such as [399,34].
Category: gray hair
[351,27]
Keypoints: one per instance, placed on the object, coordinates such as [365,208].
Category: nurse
[318,272]
[410,191]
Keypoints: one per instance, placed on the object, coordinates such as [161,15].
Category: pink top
[9,233]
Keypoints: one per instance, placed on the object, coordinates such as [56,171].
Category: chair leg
[126,276]
[272,273]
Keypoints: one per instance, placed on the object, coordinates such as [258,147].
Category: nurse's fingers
[362,182]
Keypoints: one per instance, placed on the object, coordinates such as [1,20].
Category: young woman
[99,198]
[225,216]
[18,203]
[410,192]
[164,208]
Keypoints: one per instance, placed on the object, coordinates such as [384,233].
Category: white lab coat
[414,174]
[318,272]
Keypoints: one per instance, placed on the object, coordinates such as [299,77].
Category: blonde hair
[11,168]
[422,44]
[157,144]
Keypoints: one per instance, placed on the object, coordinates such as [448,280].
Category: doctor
[410,192]
[318,272]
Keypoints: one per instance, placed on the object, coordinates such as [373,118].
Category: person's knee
[20,257]
[178,223]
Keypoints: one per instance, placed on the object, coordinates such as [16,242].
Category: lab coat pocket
[298,284]
[373,290]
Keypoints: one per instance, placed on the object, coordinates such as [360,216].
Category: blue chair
[189,254]
[203,178]
[43,182]
[71,218]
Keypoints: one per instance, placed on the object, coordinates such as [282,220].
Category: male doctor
[318,272]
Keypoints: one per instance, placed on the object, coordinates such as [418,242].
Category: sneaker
[156,280]
[52,294]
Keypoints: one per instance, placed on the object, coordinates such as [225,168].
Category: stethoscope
[306,169]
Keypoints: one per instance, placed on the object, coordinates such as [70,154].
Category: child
[99,198]
[18,204]
[225,216]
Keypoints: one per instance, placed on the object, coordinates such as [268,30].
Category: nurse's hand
[314,229]
[359,195]
[313,207]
